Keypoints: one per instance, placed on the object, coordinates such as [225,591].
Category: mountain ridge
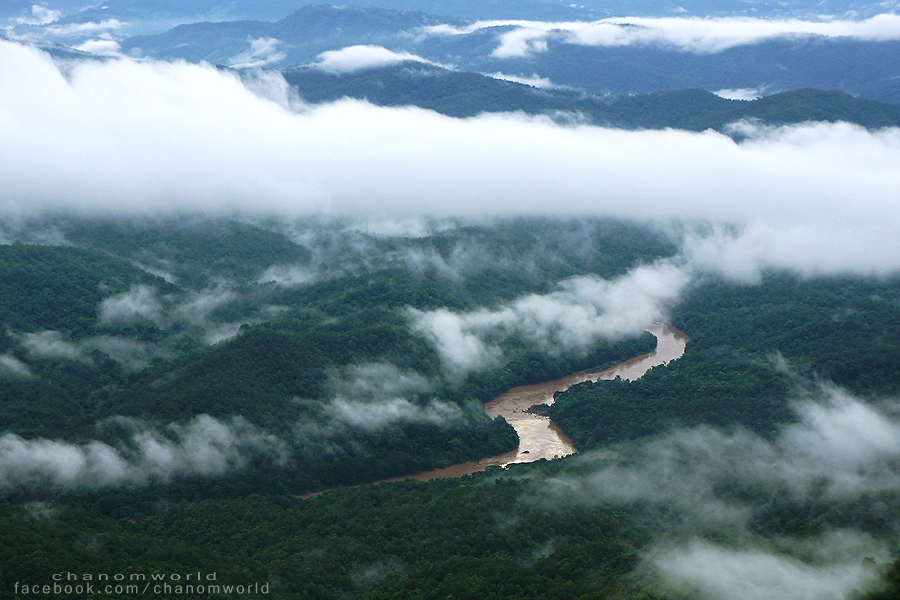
[460,94]
[857,66]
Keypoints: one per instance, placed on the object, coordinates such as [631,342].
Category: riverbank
[539,437]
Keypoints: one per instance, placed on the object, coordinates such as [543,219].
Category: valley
[254,252]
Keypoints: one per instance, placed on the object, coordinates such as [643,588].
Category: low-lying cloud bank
[709,571]
[362,400]
[262,51]
[841,447]
[133,354]
[689,34]
[840,450]
[371,397]
[359,58]
[203,446]
[583,311]
[124,137]
[191,313]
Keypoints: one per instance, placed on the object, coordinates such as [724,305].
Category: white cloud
[691,34]
[133,354]
[358,58]
[456,338]
[707,571]
[194,309]
[101,47]
[10,365]
[717,34]
[50,344]
[126,137]
[534,81]
[410,227]
[373,416]
[840,447]
[372,396]
[203,446]
[140,302]
[521,41]
[40,15]
[377,380]
[198,305]
[271,85]
[810,249]
[581,312]
[262,52]
[740,93]
[89,28]
[288,275]
[839,450]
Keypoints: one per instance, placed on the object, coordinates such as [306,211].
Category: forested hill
[461,94]
[159,323]
[168,387]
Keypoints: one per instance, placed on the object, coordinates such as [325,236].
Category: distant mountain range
[296,39]
[861,67]
[213,10]
[574,61]
[461,94]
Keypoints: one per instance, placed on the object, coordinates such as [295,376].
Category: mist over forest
[261,264]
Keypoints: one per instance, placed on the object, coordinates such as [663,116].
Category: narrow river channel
[539,437]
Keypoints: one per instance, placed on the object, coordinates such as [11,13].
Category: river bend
[541,438]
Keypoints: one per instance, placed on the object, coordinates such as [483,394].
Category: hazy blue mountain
[247,34]
[868,69]
[461,94]
[195,10]
[211,42]
[737,7]
[298,38]
[143,16]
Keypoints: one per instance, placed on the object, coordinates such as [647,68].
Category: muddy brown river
[539,437]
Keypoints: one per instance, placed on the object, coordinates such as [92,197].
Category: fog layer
[709,485]
[126,137]
[202,446]
[520,38]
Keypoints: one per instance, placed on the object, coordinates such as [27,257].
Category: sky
[126,137]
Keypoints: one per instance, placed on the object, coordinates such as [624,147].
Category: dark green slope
[841,330]
[195,251]
[278,374]
[501,534]
[461,539]
[262,373]
[818,105]
[60,287]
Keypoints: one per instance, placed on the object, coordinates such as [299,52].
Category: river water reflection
[539,437]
